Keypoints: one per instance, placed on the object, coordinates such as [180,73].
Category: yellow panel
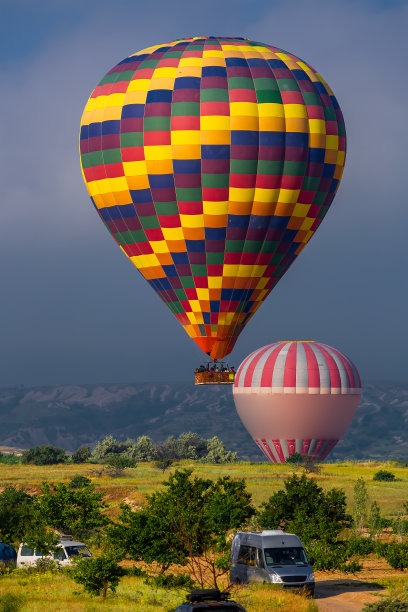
[307,223]
[112,113]
[165,72]
[135,168]
[194,71]
[288,195]
[210,137]
[107,185]
[244,123]
[162,166]
[340,157]
[241,195]
[115,99]
[192,220]
[185,137]
[186,151]
[283,56]
[158,152]
[317,126]
[145,261]
[215,122]
[172,233]
[332,142]
[262,282]
[215,208]
[295,110]
[159,246]
[189,61]
[100,102]
[215,282]
[203,294]
[191,317]
[162,83]
[301,210]
[139,85]
[135,97]
[230,270]
[244,108]
[271,109]
[265,195]
[213,53]
[195,305]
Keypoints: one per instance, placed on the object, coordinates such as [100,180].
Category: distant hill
[72,415]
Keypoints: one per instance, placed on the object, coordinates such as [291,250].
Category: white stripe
[307,391]
[323,368]
[273,450]
[345,383]
[257,375]
[279,368]
[302,379]
[246,366]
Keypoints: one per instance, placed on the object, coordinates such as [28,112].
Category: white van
[67,551]
[271,556]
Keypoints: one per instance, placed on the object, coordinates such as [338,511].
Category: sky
[73,309]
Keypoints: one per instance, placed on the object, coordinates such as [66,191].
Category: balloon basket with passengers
[214,373]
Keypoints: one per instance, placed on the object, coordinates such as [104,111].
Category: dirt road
[344,595]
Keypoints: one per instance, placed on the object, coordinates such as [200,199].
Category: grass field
[57,592]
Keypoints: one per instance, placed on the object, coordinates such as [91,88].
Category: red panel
[289,377]
[335,380]
[278,448]
[265,447]
[254,362]
[267,373]
[313,373]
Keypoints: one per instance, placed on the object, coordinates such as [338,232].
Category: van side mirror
[312,561]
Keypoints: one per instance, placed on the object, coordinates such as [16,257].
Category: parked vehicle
[271,556]
[66,552]
[8,555]
[209,599]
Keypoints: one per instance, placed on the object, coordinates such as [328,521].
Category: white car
[67,551]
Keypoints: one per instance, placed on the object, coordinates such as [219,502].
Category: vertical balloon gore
[212,161]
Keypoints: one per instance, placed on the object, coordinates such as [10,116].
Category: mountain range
[70,416]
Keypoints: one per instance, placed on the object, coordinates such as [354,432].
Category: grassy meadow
[31,592]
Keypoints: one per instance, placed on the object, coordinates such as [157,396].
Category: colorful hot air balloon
[212,162]
[296,397]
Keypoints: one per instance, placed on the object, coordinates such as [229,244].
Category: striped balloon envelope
[212,162]
[296,396]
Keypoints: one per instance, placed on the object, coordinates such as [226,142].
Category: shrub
[120,462]
[11,603]
[97,574]
[360,546]
[171,581]
[163,464]
[81,455]
[16,514]
[9,458]
[387,605]
[217,453]
[44,455]
[384,476]
[395,554]
[79,482]
[333,556]
[295,459]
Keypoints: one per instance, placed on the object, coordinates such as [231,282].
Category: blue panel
[238,220]
[214,71]
[187,83]
[161,181]
[132,110]
[95,129]
[333,186]
[170,271]
[259,221]
[334,102]
[316,155]
[195,246]
[236,61]
[271,139]
[328,170]
[161,49]
[206,318]
[159,95]
[215,233]
[226,295]
[141,196]
[245,137]
[111,127]
[257,62]
[215,151]
[296,139]
[180,258]
[278,222]
[274,63]
[215,305]
[85,132]
[238,294]
[289,236]
[320,87]
[300,75]
[134,58]
[187,166]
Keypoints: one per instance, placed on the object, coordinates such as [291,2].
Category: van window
[26,552]
[247,555]
[60,554]
[77,551]
[293,555]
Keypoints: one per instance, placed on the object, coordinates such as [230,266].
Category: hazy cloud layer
[75,310]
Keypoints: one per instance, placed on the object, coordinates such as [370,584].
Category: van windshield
[286,556]
[77,551]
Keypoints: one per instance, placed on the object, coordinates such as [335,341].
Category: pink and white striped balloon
[296,396]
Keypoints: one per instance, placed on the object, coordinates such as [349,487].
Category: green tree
[144,449]
[16,514]
[109,446]
[295,459]
[78,511]
[98,574]
[384,476]
[81,455]
[305,509]
[44,455]
[360,506]
[217,453]
[43,540]
[79,482]
[186,524]
[374,521]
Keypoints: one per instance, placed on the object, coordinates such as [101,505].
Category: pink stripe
[237,377]
[291,446]
[344,361]
[278,448]
[335,381]
[313,373]
[317,448]
[268,449]
[267,372]
[250,370]
[289,377]
[262,449]
[328,449]
[305,447]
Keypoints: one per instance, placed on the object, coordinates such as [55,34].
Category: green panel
[187,282]
[166,208]
[157,124]
[215,258]
[151,222]
[243,166]
[252,246]
[215,180]
[202,328]
[189,194]
[320,198]
[131,237]
[276,259]
[266,166]
[112,156]
[269,246]
[92,159]
[109,78]
[294,168]
[266,84]
[149,63]
[311,98]
[234,246]
[173,54]
[198,269]
[329,113]
[131,139]
[342,129]
[311,183]
[214,95]
[181,109]
[177,307]
[181,294]
[240,83]
[288,85]
[268,97]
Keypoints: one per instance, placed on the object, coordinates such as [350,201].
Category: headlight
[276,578]
[310,577]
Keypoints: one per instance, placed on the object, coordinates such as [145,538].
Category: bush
[171,581]
[120,462]
[16,514]
[11,603]
[81,455]
[295,459]
[79,482]
[360,546]
[334,556]
[44,455]
[387,605]
[97,574]
[384,476]
[10,459]
[395,554]
[217,453]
